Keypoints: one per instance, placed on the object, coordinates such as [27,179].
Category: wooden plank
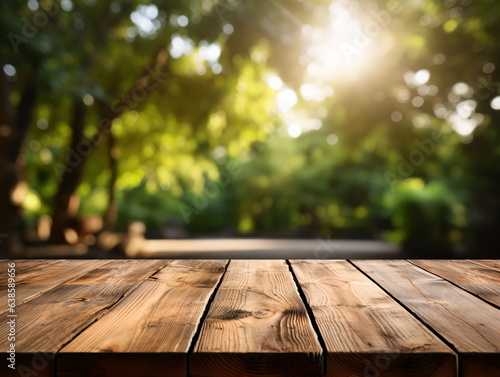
[45,324]
[468,323]
[257,325]
[490,263]
[365,331]
[22,362]
[4,267]
[35,277]
[158,321]
[476,279]
[24,267]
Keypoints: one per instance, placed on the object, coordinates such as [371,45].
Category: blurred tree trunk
[14,122]
[75,161]
[111,209]
[71,174]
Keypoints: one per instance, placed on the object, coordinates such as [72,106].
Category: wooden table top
[221,318]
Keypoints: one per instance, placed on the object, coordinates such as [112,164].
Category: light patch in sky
[274,82]
[332,139]
[294,130]
[422,77]
[180,45]
[67,5]
[143,18]
[312,92]
[228,29]
[33,5]
[495,103]
[414,79]
[183,21]
[286,99]
[9,70]
[461,89]
[209,52]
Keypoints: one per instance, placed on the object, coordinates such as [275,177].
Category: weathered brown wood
[490,263]
[366,332]
[23,267]
[46,323]
[257,325]
[155,325]
[35,277]
[468,323]
[3,268]
[476,279]
[24,363]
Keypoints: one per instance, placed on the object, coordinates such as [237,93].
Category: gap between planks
[486,289]
[365,330]
[302,296]
[469,325]
[257,325]
[197,333]
[111,306]
[312,318]
[40,338]
[449,344]
[153,326]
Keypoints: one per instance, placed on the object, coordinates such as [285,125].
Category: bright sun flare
[348,47]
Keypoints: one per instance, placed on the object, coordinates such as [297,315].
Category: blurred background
[326,128]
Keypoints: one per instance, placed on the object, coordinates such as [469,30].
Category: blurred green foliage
[401,142]
[419,212]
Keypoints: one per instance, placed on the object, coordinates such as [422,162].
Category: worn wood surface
[23,268]
[365,330]
[157,320]
[35,277]
[495,264]
[202,318]
[476,279]
[257,325]
[471,325]
[49,321]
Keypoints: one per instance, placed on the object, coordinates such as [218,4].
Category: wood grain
[365,331]
[149,332]
[257,325]
[490,263]
[25,364]
[46,323]
[140,318]
[35,277]
[23,267]
[468,323]
[474,278]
